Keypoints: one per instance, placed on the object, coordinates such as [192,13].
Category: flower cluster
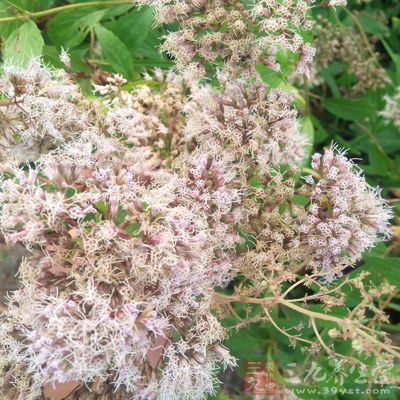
[120,255]
[237,34]
[339,218]
[345,215]
[42,109]
[274,249]
[147,117]
[254,125]
[391,112]
[347,46]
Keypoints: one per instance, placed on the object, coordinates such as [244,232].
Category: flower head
[346,216]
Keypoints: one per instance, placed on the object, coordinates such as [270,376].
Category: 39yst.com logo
[260,377]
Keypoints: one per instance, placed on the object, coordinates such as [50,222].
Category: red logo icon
[260,377]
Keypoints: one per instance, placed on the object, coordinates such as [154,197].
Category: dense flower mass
[235,34]
[119,255]
[146,117]
[254,125]
[42,108]
[345,215]
[347,46]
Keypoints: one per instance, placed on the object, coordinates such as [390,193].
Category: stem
[290,336]
[69,7]
[225,298]
[311,172]
[339,322]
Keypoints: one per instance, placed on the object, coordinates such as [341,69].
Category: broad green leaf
[23,44]
[328,74]
[69,29]
[383,268]
[6,28]
[320,133]
[116,11]
[133,28]
[372,25]
[115,52]
[349,109]
[380,163]
[29,5]
[272,78]
[18,6]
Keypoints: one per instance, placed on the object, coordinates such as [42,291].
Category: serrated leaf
[23,44]
[349,109]
[69,29]
[133,28]
[115,52]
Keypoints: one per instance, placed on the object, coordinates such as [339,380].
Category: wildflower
[349,49]
[391,112]
[213,30]
[43,109]
[120,255]
[253,124]
[345,216]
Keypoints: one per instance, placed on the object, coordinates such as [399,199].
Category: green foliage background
[115,37]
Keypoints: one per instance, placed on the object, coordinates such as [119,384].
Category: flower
[44,108]
[214,30]
[391,112]
[249,122]
[122,258]
[345,216]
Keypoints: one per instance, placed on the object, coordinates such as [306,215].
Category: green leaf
[30,5]
[6,28]
[23,44]
[69,29]
[372,25]
[307,129]
[116,11]
[101,206]
[133,28]
[320,133]
[349,109]
[380,163]
[115,52]
[273,78]
[133,228]
[122,213]
[383,268]
[301,200]
[328,75]
[51,54]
